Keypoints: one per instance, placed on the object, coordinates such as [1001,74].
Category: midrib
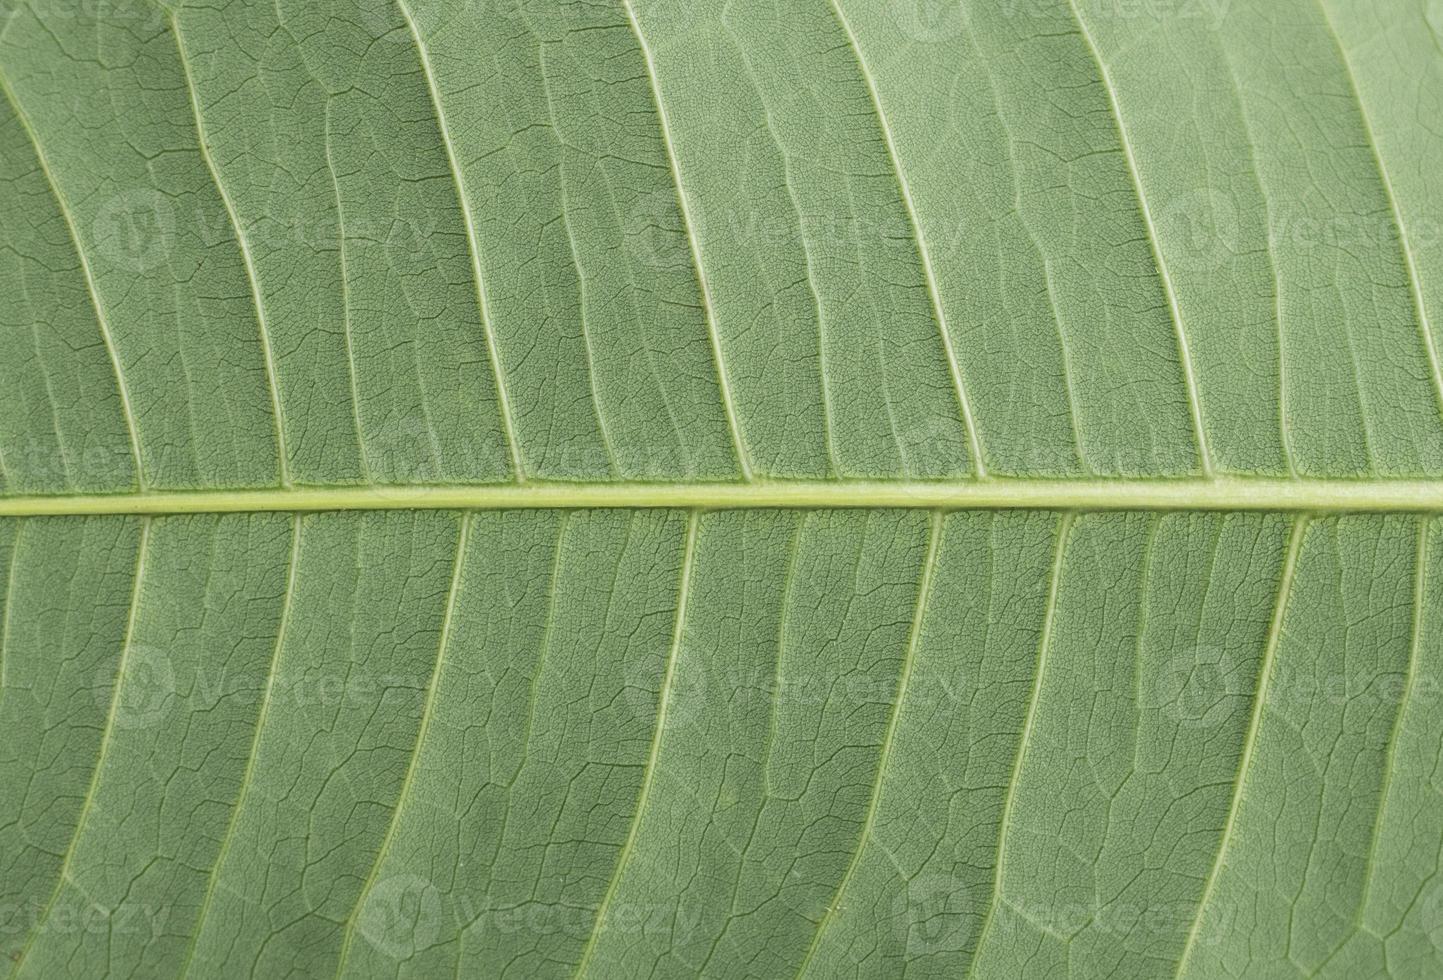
[1222,494]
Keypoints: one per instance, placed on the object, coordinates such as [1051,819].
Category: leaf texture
[825,488]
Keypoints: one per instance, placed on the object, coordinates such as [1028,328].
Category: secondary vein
[131,426]
[974,442]
[203,141]
[106,739]
[1184,354]
[8,611]
[728,403]
[473,245]
[1260,697]
[688,563]
[1414,281]
[248,774]
[924,592]
[428,712]
[1049,617]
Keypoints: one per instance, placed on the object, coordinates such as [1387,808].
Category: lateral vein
[94,293]
[362,458]
[969,421]
[1184,353]
[13,566]
[1260,696]
[1415,287]
[728,403]
[909,659]
[1049,617]
[473,244]
[1395,734]
[428,712]
[688,563]
[248,774]
[202,140]
[106,737]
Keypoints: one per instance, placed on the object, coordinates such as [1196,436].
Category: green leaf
[850,488]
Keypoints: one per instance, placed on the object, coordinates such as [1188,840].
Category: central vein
[1225,494]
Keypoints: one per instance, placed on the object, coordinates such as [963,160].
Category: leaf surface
[823,488]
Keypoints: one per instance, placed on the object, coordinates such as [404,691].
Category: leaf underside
[338,335]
